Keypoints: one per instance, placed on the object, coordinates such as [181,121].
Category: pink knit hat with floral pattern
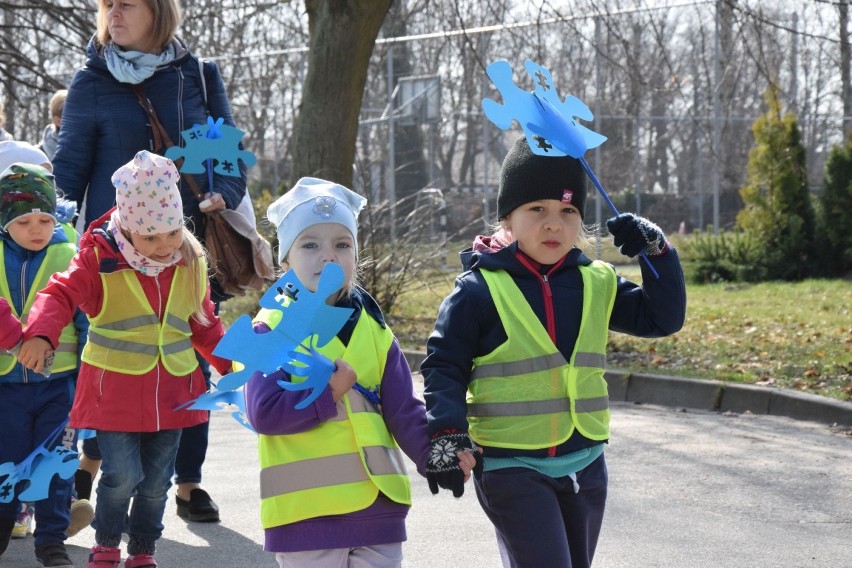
[147,195]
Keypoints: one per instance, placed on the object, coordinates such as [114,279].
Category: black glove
[634,235]
[443,468]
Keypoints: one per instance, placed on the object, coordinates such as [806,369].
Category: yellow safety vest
[56,259]
[126,336]
[70,232]
[524,394]
[340,466]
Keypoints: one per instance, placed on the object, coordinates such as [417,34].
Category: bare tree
[342,35]
[845,56]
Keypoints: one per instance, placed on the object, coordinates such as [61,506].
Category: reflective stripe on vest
[56,259]
[341,465]
[524,394]
[126,336]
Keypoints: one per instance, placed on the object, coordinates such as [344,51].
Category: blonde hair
[192,252]
[57,102]
[167,18]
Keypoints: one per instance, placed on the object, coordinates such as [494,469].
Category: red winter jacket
[109,400]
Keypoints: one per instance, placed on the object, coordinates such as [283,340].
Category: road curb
[718,396]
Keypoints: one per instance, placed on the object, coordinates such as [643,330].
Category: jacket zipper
[157,366]
[547,293]
[549,312]
[22,298]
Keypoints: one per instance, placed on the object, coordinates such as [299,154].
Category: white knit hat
[310,202]
[147,196]
[12,151]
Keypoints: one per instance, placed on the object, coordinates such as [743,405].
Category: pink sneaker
[140,561]
[103,557]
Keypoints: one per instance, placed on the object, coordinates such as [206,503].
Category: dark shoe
[199,509]
[53,554]
[6,527]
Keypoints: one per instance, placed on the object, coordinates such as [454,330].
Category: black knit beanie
[526,177]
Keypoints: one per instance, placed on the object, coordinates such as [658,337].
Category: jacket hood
[95,56]
[98,236]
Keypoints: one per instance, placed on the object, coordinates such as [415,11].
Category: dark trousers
[192,449]
[540,521]
[29,413]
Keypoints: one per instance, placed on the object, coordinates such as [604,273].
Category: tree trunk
[846,81]
[342,36]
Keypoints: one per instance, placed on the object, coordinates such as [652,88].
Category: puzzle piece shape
[217,399]
[60,461]
[223,149]
[315,367]
[37,470]
[306,320]
[548,122]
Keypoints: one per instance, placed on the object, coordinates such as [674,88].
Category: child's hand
[212,202]
[449,465]
[342,379]
[470,461]
[34,352]
[634,235]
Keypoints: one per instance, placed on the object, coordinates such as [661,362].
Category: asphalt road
[687,489]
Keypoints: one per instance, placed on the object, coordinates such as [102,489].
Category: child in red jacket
[141,278]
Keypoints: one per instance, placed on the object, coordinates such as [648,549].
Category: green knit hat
[26,189]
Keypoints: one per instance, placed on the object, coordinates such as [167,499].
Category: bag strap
[161,139]
[203,81]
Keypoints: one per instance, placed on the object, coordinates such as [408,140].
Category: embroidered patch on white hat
[310,202]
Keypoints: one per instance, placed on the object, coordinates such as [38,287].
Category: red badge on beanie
[567,196]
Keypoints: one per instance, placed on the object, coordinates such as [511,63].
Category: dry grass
[791,335]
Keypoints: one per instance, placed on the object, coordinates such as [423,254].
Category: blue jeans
[192,448]
[136,465]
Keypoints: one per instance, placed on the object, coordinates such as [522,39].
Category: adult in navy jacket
[104,126]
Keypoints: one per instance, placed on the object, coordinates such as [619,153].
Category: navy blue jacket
[103,126]
[469,326]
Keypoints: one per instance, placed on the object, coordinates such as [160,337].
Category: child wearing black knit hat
[515,365]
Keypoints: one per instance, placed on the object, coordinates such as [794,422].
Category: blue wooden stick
[609,202]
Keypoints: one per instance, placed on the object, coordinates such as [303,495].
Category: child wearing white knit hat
[370,396]
[141,278]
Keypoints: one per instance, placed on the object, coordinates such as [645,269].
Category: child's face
[33,232]
[545,230]
[159,247]
[320,244]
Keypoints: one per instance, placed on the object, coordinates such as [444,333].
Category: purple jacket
[271,411]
